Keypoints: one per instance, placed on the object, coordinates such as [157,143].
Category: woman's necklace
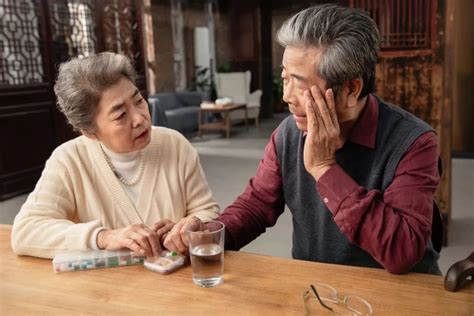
[119,176]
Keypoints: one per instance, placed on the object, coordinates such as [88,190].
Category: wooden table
[225,124]
[253,285]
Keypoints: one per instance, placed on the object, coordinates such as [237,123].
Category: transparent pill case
[167,262]
[94,259]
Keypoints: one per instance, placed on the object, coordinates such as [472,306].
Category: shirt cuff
[334,186]
[93,240]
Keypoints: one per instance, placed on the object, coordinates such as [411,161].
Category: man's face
[299,74]
[123,120]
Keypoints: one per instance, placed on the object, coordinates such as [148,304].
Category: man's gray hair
[348,38]
[81,82]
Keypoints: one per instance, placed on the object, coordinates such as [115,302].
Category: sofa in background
[176,110]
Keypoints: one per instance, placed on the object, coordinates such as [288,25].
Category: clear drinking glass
[206,249]
[324,299]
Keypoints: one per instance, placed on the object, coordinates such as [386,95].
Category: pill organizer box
[94,259]
[167,262]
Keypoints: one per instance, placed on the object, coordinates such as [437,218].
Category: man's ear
[355,88]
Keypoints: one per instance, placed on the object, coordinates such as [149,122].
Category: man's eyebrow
[300,78]
[297,77]
[135,93]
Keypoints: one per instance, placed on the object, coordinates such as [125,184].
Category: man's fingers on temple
[332,107]
[330,98]
[316,94]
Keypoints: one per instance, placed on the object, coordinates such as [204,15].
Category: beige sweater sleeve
[200,202]
[45,224]
[69,191]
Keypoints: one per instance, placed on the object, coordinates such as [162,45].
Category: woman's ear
[355,88]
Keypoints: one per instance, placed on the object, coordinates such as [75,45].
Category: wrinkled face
[299,74]
[123,120]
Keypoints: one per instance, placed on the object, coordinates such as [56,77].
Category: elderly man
[357,174]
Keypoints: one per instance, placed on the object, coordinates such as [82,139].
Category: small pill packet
[167,262]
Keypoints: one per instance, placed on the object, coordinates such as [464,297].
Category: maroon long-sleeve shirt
[385,222]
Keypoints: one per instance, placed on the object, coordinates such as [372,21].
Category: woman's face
[123,120]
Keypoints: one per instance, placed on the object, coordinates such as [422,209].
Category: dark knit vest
[316,237]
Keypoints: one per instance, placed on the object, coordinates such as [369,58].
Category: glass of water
[206,249]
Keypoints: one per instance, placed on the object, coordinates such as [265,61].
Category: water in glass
[207,261]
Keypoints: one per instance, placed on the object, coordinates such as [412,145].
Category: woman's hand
[137,238]
[162,228]
[177,239]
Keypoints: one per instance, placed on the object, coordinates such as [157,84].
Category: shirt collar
[364,131]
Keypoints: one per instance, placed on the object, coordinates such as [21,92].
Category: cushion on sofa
[187,98]
[158,116]
[168,100]
[177,110]
[183,119]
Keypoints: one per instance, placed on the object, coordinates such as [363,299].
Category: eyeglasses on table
[322,298]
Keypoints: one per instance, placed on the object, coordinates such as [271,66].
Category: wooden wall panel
[26,120]
[416,84]
[420,81]
[412,84]
[37,35]
[463,77]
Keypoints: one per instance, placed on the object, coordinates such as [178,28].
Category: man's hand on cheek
[323,131]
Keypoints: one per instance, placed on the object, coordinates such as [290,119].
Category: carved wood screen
[403,24]
[413,67]
[35,36]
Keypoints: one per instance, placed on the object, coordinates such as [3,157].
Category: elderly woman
[122,183]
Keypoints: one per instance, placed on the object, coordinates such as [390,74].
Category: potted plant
[202,82]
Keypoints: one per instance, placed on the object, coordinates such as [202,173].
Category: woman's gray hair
[348,38]
[80,84]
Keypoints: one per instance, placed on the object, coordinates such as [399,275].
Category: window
[404,25]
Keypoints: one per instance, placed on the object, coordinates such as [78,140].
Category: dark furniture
[460,274]
[176,110]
